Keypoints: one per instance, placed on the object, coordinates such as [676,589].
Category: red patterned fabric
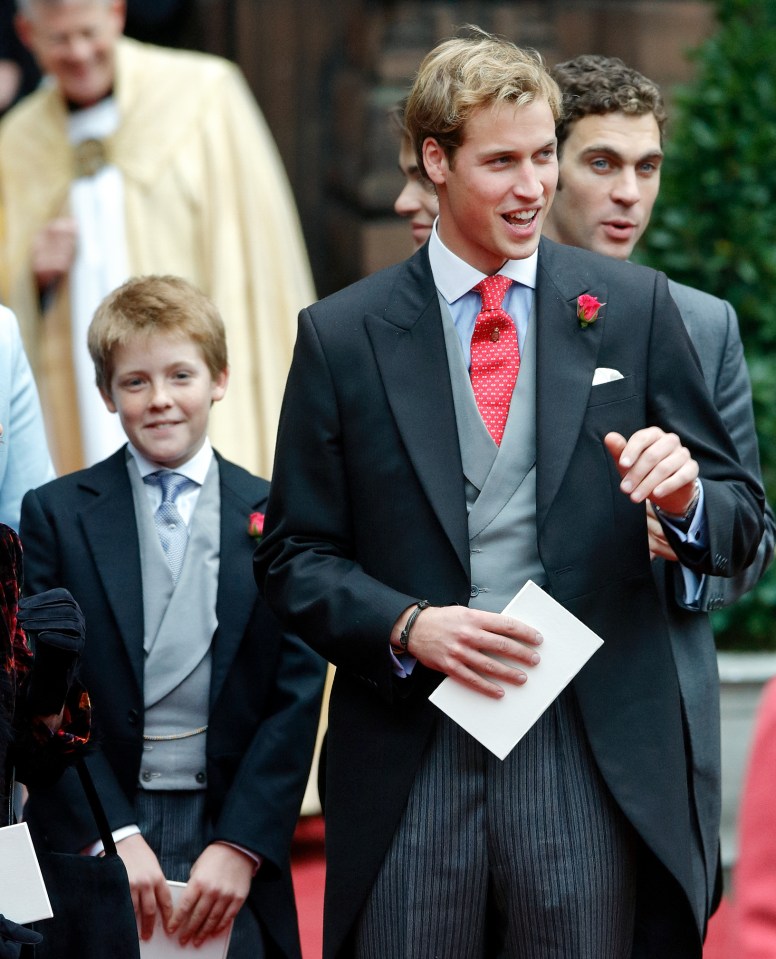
[495,359]
[39,754]
[15,652]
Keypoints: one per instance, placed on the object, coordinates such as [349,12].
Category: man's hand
[461,642]
[146,883]
[658,544]
[10,79]
[654,464]
[218,885]
[53,251]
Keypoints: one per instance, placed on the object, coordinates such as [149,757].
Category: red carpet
[308,872]
[307,869]
[716,941]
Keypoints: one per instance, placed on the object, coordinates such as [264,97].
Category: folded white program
[23,896]
[499,724]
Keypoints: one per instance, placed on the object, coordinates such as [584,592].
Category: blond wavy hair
[461,75]
[144,305]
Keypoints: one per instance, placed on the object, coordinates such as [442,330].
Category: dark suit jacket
[713,328]
[80,532]
[367,515]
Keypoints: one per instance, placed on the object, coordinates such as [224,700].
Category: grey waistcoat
[500,481]
[179,625]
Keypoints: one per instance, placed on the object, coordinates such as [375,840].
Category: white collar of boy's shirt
[195,469]
[454,277]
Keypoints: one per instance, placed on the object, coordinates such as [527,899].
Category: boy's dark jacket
[80,532]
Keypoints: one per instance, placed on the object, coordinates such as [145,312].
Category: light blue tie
[173,532]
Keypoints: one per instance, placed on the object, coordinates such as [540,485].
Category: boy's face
[417,200]
[495,192]
[162,390]
[609,181]
[75,42]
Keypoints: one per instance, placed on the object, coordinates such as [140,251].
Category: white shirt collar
[196,468]
[453,276]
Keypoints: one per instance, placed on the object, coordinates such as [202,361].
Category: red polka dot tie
[495,355]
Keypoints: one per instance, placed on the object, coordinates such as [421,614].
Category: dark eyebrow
[610,151]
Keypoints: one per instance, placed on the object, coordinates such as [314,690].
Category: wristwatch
[684,519]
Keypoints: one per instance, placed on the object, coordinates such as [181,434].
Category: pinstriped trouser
[173,824]
[527,858]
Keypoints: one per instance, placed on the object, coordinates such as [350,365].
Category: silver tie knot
[173,532]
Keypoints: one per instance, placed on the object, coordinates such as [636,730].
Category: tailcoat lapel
[111,532]
[408,341]
[566,357]
[110,520]
[237,592]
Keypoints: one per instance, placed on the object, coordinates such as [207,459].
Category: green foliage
[715,228]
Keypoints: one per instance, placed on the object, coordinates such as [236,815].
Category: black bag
[93,914]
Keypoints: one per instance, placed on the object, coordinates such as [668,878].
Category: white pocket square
[604,375]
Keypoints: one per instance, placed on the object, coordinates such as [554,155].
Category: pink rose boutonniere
[587,309]
[256,525]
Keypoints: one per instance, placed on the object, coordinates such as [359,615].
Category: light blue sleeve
[24,456]
[697,534]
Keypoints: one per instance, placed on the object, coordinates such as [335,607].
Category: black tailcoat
[367,516]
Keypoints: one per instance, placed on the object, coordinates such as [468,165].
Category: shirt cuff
[257,859]
[693,587]
[402,668]
[696,534]
[97,849]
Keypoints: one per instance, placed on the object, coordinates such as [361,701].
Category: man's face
[162,390]
[609,181]
[495,192]
[417,200]
[75,42]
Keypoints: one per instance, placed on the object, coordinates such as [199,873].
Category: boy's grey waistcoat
[180,622]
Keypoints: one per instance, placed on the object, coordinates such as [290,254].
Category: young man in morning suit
[610,158]
[206,712]
[390,491]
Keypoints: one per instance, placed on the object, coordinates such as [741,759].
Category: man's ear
[24,28]
[435,161]
[119,10]
[108,400]
[220,383]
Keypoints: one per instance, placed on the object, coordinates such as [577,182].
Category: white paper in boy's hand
[499,724]
[162,946]
[23,896]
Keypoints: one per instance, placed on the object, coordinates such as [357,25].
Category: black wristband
[404,638]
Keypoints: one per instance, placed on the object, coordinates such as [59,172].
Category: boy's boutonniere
[256,525]
[587,309]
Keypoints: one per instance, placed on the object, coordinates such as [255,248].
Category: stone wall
[327,72]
